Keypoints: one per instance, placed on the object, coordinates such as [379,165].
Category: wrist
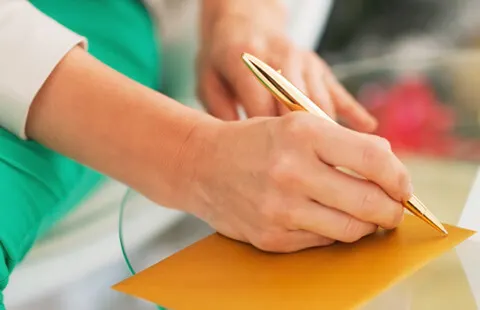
[258,14]
[194,159]
[100,118]
[273,10]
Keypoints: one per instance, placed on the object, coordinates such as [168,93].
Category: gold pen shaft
[295,100]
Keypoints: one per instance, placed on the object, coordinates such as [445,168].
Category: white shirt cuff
[32,44]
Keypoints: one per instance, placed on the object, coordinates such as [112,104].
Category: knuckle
[352,230]
[374,155]
[282,169]
[369,154]
[369,202]
[298,125]
[270,242]
[293,124]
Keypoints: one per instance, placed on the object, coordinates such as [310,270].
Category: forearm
[104,120]
[264,12]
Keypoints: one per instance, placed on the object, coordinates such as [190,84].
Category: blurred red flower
[411,116]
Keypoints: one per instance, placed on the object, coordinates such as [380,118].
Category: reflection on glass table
[429,109]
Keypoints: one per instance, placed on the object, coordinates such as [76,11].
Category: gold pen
[295,100]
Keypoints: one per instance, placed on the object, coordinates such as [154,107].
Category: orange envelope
[218,273]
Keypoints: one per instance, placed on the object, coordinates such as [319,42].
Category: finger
[331,223]
[348,108]
[301,239]
[288,241]
[361,199]
[368,155]
[282,109]
[252,95]
[292,67]
[314,78]
[216,97]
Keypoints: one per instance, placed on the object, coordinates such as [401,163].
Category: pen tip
[441,228]
[445,232]
[415,206]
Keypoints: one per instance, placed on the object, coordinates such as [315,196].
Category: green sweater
[38,186]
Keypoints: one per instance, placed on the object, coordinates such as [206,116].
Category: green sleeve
[38,186]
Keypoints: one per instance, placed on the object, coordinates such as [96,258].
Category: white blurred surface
[470,217]
[469,256]
[86,243]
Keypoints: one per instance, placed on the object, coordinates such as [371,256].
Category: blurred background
[373,28]
[414,63]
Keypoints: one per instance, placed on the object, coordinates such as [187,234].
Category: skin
[230,27]
[267,180]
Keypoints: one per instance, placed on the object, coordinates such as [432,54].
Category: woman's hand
[225,82]
[267,181]
[271,182]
